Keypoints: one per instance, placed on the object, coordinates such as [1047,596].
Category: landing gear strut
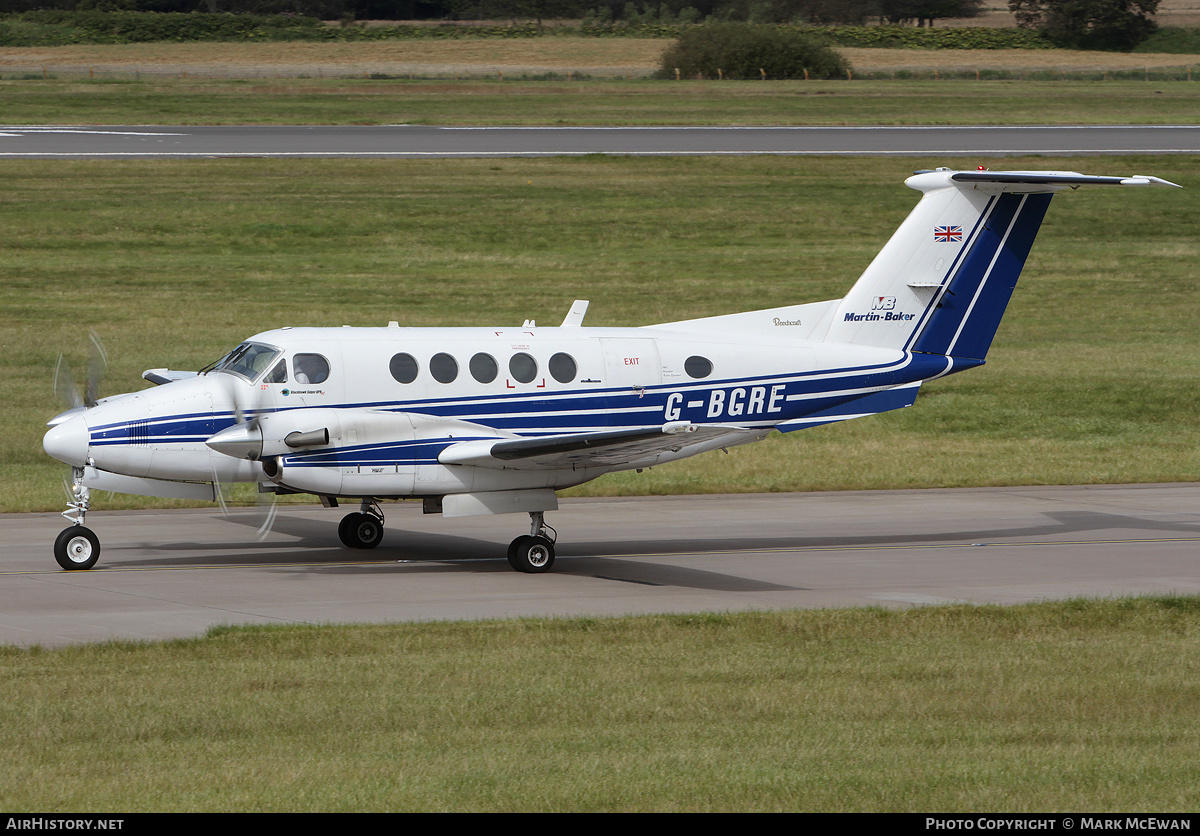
[77,547]
[364,529]
[533,553]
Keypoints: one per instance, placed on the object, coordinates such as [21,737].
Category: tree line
[1086,24]
[824,12]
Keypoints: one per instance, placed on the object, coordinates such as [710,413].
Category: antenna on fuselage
[574,317]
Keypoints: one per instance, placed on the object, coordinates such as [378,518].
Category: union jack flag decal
[947,234]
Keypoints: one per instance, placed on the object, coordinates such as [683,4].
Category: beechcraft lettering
[470,422]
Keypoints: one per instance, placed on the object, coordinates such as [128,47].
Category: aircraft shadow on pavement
[428,553]
[615,560]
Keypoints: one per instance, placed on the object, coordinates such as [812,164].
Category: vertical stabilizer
[943,281]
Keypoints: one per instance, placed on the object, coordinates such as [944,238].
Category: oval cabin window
[697,366]
[484,368]
[562,367]
[523,367]
[443,367]
[404,368]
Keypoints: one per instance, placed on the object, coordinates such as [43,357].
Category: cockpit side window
[248,360]
[310,368]
[278,374]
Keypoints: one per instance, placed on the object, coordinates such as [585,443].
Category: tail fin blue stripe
[969,310]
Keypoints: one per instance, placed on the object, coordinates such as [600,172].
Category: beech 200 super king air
[494,420]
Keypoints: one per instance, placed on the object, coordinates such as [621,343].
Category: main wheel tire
[77,548]
[360,531]
[512,553]
[532,555]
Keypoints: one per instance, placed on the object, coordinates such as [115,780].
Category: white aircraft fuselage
[386,436]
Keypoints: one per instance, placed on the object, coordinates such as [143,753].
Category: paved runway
[416,141]
[164,574]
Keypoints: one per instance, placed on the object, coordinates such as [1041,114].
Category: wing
[644,446]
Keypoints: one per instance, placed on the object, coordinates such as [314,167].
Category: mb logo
[884,303]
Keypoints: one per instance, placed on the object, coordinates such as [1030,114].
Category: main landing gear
[77,547]
[533,553]
[364,529]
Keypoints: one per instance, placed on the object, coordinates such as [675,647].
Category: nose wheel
[77,547]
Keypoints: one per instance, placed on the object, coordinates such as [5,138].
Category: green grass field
[1074,706]
[1091,378]
[291,101]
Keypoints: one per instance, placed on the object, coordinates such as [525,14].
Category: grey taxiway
[176,573]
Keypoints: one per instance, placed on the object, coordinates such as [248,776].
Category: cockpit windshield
[248,360]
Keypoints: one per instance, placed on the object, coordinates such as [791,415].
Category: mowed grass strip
[1082,706]
[1091,379]
[125,100]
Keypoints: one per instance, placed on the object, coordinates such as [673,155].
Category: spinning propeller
[65,385]
[247,414]
[74,398]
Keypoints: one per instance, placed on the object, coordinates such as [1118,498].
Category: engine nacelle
[367,452]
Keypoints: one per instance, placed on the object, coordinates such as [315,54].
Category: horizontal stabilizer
[1056,178]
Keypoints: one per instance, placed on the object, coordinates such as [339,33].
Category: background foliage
[644,11]
[50,27]
[743,50]
[1089,24]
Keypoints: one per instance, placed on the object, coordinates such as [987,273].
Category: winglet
[574,317]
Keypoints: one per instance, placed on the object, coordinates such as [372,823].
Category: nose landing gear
[77,547]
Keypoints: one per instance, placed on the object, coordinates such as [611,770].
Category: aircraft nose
[68,441]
